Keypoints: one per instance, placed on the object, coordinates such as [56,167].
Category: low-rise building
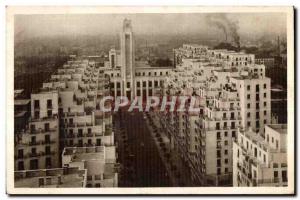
[67,177]
[99,161]
[261,159]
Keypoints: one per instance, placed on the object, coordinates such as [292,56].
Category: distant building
[129,77]
[268,62]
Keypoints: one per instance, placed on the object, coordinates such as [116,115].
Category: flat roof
[281,128]
[70,177]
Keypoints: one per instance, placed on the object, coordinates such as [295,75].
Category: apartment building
[99,161]
[70,177]
[233,92]
[261,159]
[37,146]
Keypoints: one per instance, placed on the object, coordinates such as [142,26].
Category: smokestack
[229,27]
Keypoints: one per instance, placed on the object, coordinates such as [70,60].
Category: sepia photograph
[150,100]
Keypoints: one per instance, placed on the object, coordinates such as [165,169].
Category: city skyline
[185,113]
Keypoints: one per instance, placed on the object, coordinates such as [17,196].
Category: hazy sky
[93,24]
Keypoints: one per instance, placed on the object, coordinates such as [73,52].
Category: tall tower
[127,59]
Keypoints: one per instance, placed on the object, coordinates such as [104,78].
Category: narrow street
[141,165]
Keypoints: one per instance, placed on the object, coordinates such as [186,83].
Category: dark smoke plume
[229,28]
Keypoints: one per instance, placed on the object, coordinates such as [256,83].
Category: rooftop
[281,128]
[59,178]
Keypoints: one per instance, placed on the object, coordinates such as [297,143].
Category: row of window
[256,87]
[138,84]
[257,96]
[34,164]
[37,104]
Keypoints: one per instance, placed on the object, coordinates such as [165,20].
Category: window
[128,84]
[47,126]
[265,86]
[218,126]
[284,175]
[248,87]
[248,105]
[47,150]
[34,164]
[225,134]
[218,135]
[257,124]
[218,162]
[49,104]
[48,162]
[265,95]
[144,83]
[36,104]
[49,113]
[98,142]
[226,161]
[265,112]
[248,96]
[150,83]
[275,174]
[265,104]
[257,115]
[225,142]
[226,152]
[36,114]
[233,133]
[257,88]
[20,165]
[218,153]
[138,84]
[248,114]
[47,139]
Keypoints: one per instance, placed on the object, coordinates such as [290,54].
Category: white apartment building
[99,161]
[234,93]
[261,159]
[37,146]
